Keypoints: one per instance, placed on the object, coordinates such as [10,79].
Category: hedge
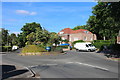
[101,43]
[104,41]
[32,49]
[115,47]
[57,49]
[5,48]
[100,46]
[77,41]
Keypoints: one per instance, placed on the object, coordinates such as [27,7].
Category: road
[71,65]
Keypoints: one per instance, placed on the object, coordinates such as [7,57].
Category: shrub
[57,49]
[104,41]
[5,48]
[65,46]
[32,49]
[101,43]
[100,46]
[115,47]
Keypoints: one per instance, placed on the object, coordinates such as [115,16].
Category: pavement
[70,65]
[11,71]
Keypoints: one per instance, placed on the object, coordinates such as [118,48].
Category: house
[74,35]
[118,38]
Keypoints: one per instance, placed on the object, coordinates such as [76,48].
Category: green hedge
[101,43]
[65,46]
[100,46]
[104,41]
[32,49]
[5,48]
[77,41]
[57,49]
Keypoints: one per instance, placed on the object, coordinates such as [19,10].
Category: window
[85,38]
[91,38]
[75,39]
[61,32]
[63,38]
[86,31]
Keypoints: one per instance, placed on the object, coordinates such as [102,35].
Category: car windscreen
[90,45]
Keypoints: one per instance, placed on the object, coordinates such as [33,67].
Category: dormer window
[86,31]
[61,32]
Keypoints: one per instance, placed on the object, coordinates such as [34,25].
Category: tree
[21,40]
[30,27]
[4,36]
[54,38]
[27,29]
[42,35]
[105,22]
[80,27]
[31,38]
[13,39]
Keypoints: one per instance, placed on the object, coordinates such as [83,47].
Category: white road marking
[50,64]
[34,66]
[31,71]
[88,65]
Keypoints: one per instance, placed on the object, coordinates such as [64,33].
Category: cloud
[25,12]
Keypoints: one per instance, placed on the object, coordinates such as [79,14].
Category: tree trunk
[104,38]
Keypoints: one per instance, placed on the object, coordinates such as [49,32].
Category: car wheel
[89,50]
[77,50]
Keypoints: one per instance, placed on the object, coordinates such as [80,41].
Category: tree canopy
[4,36]
[80,27]
[105,21]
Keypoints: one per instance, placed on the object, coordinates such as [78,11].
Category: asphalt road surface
[71,65]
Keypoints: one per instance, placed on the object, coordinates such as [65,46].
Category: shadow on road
[9,71]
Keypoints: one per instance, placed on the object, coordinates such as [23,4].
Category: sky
[53,16]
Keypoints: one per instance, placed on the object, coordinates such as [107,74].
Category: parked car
[84,46]
[15,47]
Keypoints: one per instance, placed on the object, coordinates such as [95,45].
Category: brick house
[74,35]
[118,38]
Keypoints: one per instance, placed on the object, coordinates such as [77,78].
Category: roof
[70,31]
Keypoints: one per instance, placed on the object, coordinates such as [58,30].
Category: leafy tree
[13,39]
[54,38]
[4,36]
[31,38]
[80,27]
[21,40]
[42,35]
[27,29]
[105,22]
[30,27]
[66,41]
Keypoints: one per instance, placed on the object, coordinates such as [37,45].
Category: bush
[57,49]
[5,48]
[104,41]
[65,46]
[32,49]
[101,43]
[115,47]
[77,41]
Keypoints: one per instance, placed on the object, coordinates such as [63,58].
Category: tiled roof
[70,31]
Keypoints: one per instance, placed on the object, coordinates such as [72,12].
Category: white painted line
[50,64]
[70,62]
[88,65]
[32,72]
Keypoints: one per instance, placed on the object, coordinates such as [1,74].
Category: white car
[14,47]
[84,46]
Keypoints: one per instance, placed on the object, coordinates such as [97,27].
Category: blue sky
[53,16]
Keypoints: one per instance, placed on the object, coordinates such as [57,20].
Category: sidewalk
[12,72]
